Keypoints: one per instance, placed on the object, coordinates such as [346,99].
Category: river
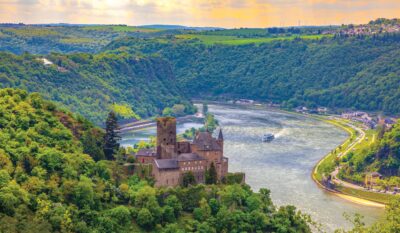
[283,165]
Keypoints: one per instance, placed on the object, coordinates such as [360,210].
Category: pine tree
[111,138]
[211,175]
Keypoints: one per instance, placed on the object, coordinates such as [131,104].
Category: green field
[120,28]
[233,40]
[76,40]
[32,31]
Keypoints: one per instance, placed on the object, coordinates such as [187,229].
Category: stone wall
[166,177]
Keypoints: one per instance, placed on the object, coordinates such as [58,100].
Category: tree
[203,212]
[210,123]
[211,175]
[120,214]
[145,219]
[188,179]
[111,138]
[5,178]
[178,109]
[174,202]
[83,192]
[93,144]
[168,214]
[167,112]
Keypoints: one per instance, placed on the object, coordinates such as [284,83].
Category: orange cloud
[223,13]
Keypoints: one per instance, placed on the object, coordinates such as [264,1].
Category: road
[359,139]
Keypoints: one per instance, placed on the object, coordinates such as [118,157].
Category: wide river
[283,165]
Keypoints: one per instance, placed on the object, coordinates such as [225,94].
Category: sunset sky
[225,13]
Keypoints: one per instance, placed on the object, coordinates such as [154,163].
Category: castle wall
[197,167]
[167,177]
[144,159]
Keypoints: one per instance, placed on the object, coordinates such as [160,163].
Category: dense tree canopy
[92,85]
[356,72]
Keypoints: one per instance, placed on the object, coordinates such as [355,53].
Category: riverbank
[341,188]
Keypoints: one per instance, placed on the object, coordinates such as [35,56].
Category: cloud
[225,13]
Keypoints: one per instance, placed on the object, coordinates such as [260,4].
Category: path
[358,140]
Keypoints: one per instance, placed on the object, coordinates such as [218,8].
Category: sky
[223,13]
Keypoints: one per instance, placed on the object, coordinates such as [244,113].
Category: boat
[268,137]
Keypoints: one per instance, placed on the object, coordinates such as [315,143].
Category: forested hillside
[93,84]
[48,184]
[292,66]
[382,156]
[360,72]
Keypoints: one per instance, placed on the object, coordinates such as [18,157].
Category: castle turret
[166,137]
[220,139]
[220,135]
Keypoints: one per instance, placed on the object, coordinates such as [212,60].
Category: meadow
[234,40]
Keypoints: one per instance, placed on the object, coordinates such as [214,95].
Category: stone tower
[166,137]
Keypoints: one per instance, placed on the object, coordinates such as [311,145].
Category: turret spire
[220,135]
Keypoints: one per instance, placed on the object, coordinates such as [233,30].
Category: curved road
[359,139]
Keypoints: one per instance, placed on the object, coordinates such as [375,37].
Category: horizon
[198,13]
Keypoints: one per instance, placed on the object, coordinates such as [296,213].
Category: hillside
[312,66]
[382,155]
[48,184]
[352,72]
[93,84]
[64,38]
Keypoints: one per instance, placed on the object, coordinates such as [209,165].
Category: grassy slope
[327,164]
[233,40]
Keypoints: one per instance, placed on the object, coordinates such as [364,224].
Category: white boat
[268,137]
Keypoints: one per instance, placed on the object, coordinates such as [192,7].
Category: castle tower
[166,137]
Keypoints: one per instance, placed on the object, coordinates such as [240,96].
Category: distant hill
[179,27]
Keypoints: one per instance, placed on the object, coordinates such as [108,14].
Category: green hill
[44,39]
[357,72]
[382,155]
[93,84]
[48,184]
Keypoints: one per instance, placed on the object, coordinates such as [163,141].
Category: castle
[171,160]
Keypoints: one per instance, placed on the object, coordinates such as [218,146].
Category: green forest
[48,183]
[350,73]
[143,71]
[94,84]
